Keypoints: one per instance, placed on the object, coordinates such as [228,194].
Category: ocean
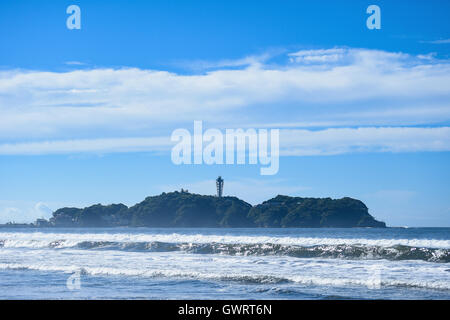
[202,263]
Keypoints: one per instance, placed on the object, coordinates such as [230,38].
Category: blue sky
[362,113]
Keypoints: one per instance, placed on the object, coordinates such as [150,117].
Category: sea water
[204,263]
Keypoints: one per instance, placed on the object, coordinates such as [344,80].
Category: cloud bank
[402,101]
[293,142]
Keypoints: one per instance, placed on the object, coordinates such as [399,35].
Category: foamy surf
[234,277]
[340,251]
[41,240]
[355,263]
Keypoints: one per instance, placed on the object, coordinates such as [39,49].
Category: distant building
[42,223]
[219,185]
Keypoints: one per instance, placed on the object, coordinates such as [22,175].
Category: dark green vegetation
[286,212]
[183,209]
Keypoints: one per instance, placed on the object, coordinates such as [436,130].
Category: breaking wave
[339,251]
[241,278]
[40,239]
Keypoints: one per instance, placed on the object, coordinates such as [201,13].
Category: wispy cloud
[86,145]
[293,142]
[318,56]
[23,211]
[441,41]
[353,140]
[75,63]
[252,60]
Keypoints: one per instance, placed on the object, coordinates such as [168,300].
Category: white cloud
[441,41]
[23,211]
[104,110]
[10,214]
[350,140]
[253,60]
[318,56]
[293,142]
[86,145]
[43,209]
[75,63]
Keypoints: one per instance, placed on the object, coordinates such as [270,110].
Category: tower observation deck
[219,185]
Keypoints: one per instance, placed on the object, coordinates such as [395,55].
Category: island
[185,210]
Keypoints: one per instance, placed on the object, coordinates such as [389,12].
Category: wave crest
[241,278]
[339,251]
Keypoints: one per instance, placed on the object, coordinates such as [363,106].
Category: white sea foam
[219,275]
[127,255]
[64,240]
